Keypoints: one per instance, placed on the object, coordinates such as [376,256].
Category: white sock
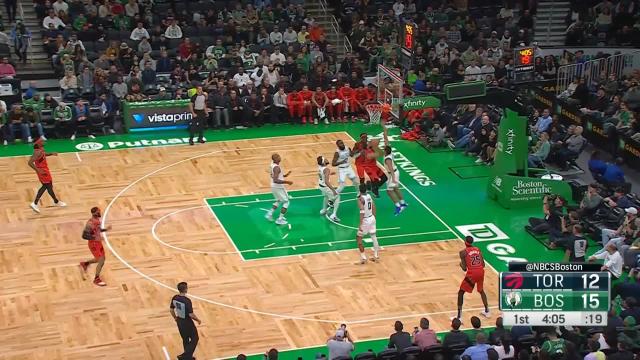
[340,188]
[336,205]
[402,202]
[270,212]
[281,216]
[363,256]
[397,204]
[376,247]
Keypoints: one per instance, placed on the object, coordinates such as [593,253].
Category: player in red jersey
[320,101]
[472,262]
[371,92]
[377,177]
[335,104]
[294,104]
[93,234]
[348,100]
[358,153]
[307,106]
[362,99]
[38,162]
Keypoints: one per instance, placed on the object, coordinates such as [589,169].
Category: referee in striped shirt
[182,312]
[198,107]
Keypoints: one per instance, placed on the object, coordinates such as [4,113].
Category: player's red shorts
[96,248]
[360,170]
[471,279]
[45,178]
[373,172]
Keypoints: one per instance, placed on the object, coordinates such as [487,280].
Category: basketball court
[196,214]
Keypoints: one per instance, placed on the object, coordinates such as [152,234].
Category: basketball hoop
[375,111]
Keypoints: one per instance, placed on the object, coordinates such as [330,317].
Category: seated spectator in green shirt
[62,113]
[477,328]
[36,103]
[80,22]
[554,346]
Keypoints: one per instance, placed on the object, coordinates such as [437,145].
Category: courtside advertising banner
[157,115]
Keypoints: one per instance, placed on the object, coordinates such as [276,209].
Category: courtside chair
[388,354]
[455,349]
[431,352]
[369,355]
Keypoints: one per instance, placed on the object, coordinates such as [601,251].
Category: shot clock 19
[555,298]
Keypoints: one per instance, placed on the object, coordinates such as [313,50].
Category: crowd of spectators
[619,340]
[241,53]
[615,23]
[612,103]
[451,44]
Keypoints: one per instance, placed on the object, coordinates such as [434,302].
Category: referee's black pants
[197,125]
[189,335]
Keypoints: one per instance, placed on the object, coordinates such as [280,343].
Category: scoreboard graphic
[542,298]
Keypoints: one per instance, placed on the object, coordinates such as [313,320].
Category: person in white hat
[340,344]
[628,230]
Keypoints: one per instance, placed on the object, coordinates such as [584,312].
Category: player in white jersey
[331,196]
[393,185]
[341,160]
[367,223]
[279,192]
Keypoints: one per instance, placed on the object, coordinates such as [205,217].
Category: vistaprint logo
[138,118]
[162,118]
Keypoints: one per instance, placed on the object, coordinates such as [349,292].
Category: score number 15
[590,281]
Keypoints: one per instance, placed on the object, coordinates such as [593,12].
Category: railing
[29,49]
[549,20]
[335,26]
[619,64]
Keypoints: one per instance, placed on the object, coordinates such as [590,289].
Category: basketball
[386,108]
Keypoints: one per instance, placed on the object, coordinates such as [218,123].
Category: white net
[375,113]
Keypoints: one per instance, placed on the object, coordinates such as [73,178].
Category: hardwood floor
[49,312]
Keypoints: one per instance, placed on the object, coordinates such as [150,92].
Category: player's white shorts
[345,173]
[368,226]
[280,194]
[394,184]
[328,193]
